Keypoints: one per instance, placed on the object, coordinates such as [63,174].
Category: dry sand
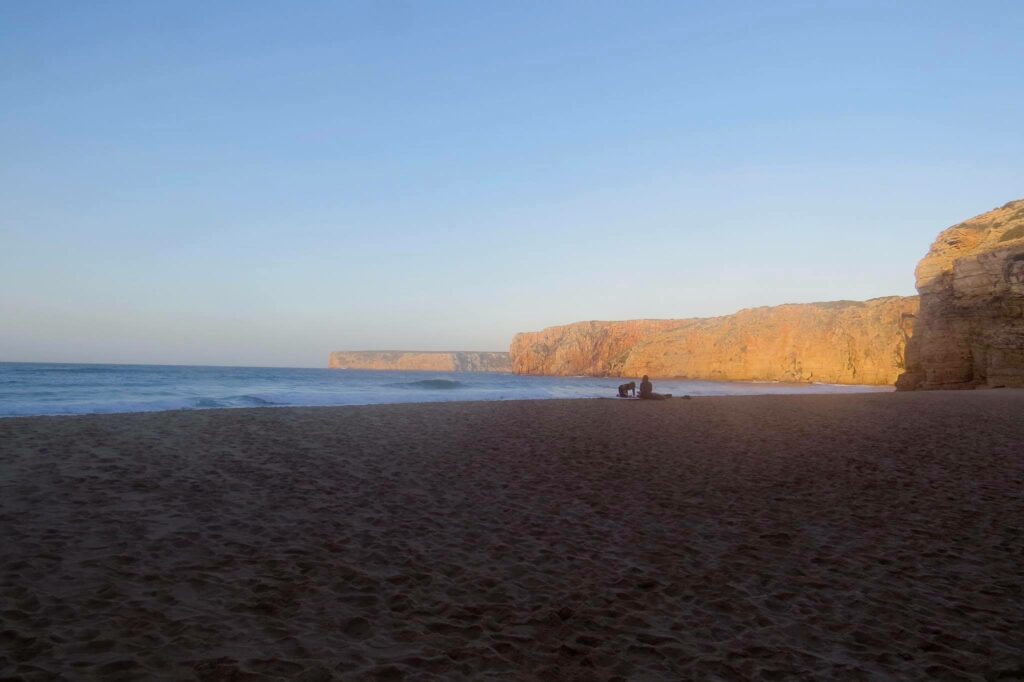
[837,537]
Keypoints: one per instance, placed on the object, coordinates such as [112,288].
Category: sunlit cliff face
[842,342]
[970,331]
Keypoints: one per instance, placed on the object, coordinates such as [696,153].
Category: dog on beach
[625,389]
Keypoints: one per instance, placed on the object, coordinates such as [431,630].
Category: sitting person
[624,389]
[647,391]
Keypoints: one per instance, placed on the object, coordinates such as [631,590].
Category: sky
[259,183]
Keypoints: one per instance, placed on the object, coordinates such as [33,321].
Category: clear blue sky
[263,182]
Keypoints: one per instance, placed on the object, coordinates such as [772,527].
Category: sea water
[49,389]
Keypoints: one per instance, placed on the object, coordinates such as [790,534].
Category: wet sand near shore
[832,537]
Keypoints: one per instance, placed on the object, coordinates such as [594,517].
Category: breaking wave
[432,384]
[234,401]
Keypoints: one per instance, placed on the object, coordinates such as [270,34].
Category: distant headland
[421,361]
[965,330]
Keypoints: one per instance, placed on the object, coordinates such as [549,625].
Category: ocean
[51,389]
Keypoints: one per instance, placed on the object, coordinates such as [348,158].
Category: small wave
[254,400]
[433,384]
[232,401]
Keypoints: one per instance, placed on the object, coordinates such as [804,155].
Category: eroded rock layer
[843,342]
[970,330]
[421,361]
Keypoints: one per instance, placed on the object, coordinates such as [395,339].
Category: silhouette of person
[647,390]
[624,389]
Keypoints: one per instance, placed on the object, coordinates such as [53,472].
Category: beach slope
[852,537]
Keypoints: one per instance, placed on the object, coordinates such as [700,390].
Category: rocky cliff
[845,342]
[421,361]
[583,348]
[970,330]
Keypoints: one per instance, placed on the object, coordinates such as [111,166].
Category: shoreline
[695,385]
[421,403]
[835,536]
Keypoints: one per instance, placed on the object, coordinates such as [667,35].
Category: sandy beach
[842,537]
